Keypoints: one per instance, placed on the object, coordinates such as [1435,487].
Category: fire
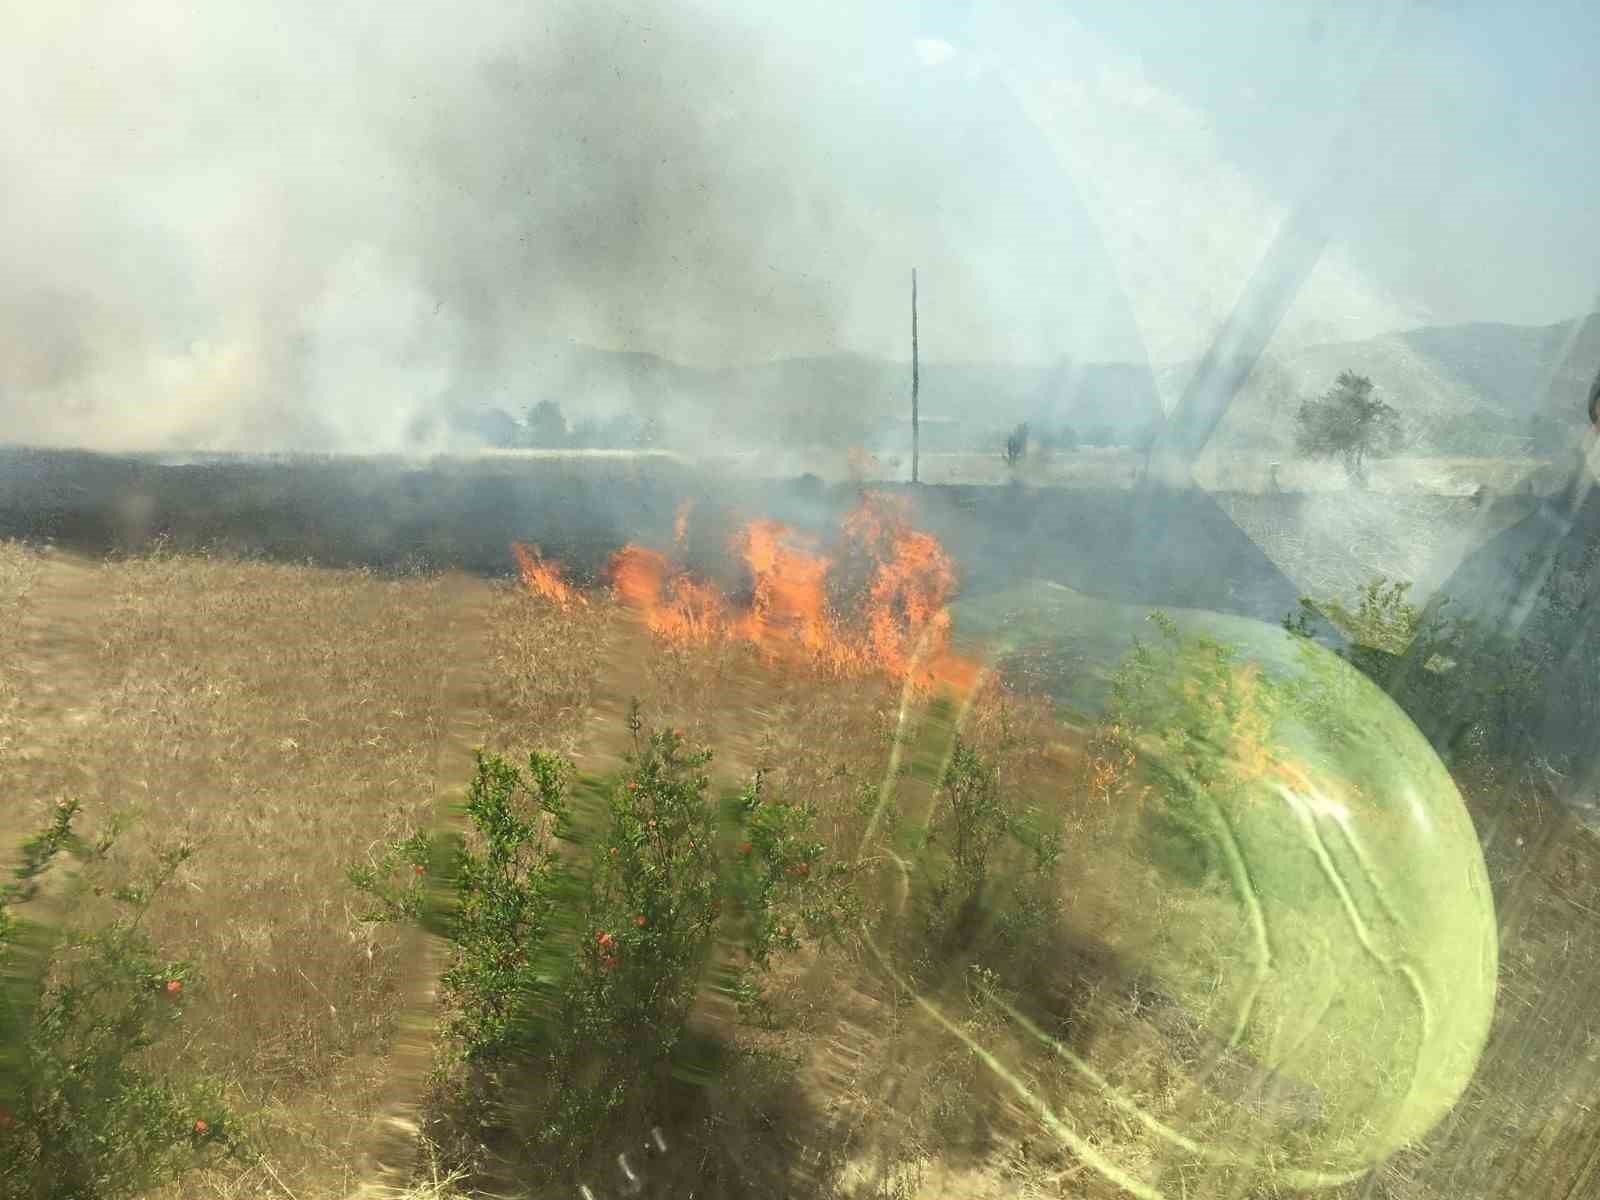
[676,608]
[880,517]
[543,577]
[789,606]
[637,575]
[900,626]
[914,578]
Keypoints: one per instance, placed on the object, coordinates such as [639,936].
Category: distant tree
[1348,423]
[1016,445]
[545,427]
[1099,435]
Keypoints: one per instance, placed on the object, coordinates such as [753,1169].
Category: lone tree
[545,427]
[1348,423]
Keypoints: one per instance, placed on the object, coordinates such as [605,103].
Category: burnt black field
[1153,545]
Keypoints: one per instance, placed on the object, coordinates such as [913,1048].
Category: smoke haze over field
[293,225]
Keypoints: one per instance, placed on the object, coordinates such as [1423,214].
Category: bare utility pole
[914,429]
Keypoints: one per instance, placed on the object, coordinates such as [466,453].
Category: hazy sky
[225,220]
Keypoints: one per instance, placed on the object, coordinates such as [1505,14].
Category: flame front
[542,576]
[789,605]
[675,607]
[900,626]
[914,577]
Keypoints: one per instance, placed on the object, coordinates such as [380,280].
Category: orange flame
[542,577]
[901,627]
[637,575]
[914,578]
[676,608]
[907,618]
[880,518]
[790,603]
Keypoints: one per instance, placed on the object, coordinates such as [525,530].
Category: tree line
[1348,424]
[544,426]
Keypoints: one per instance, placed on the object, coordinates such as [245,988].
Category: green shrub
[970,819]
[973,818]
[650,920]
[1196,714]
[580,939]
[783,885]
[1524,700]
[495,904]
[83,1116]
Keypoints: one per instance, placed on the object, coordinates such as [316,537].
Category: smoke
[249,227]
[291,225]
[287,225]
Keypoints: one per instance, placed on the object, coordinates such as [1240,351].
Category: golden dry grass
[20,566]
[542,671]
[284,721]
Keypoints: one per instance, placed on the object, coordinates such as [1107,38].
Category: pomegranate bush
[494,902]
[585,915]
[990,862]
[82,1115]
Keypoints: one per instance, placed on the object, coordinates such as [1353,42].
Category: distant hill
[841,400]
[1477,389]
[1480,390]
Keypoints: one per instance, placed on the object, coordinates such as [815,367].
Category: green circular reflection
[1288,862]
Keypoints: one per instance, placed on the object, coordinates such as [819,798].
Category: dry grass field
[281,720]
[288,720]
